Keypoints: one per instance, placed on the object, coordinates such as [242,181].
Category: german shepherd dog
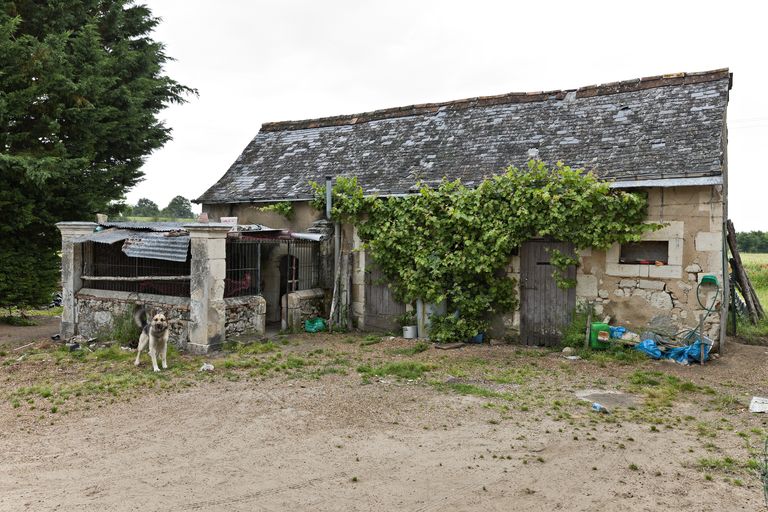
[154,334]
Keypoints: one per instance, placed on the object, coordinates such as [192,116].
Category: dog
[155,334]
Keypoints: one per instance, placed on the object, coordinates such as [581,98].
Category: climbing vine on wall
[454,243]
[284,208]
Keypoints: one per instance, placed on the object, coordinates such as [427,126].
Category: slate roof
[668,126]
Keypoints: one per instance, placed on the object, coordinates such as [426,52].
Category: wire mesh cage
[107,267]
[254,264]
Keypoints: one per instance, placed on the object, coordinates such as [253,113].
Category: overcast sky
[259,61]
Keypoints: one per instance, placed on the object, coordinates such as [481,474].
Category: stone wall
[96,312]
[302,305]
[245,315]
[635,295]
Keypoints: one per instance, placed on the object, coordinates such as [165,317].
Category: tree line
[179,207]
[752,241]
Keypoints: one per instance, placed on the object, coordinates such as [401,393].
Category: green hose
[691,333]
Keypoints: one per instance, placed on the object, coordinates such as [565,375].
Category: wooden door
[544,308]
[381,308]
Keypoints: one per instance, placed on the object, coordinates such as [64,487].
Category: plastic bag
[617,332]
[649,348]
[689,353]
[314,325]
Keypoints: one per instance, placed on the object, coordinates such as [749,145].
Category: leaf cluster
[284,208]
[454,243]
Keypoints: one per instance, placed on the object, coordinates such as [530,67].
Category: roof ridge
[588,91]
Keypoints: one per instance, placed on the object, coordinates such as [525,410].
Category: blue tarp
[684,355]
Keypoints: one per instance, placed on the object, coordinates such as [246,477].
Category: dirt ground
[46,326]
[325,423]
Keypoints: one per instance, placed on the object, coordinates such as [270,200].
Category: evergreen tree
[81,84]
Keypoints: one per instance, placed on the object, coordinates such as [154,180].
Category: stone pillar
[207,309]
[325,228]
[71,271]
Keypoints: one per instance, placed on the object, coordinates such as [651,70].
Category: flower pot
[410,332]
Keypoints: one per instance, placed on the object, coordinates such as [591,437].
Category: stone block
[709,241]
[620,270]
[217,249]
[650,285]
[618,292]
[603,294]
[665,271]
[627,283]
[661,300]
[675,251]
[586,286]
[694,267]
[672,229]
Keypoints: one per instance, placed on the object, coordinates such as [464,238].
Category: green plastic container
[593,341]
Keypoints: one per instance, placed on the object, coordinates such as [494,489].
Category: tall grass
[756,266]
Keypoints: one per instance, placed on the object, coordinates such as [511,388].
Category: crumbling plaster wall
[634,294]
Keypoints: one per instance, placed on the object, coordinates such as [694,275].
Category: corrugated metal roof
[106,236]
[157,246]
[151,226]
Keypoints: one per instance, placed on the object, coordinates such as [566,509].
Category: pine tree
[81,85]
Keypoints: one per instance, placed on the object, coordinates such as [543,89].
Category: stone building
[664,135]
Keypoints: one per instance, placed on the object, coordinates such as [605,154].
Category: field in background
[756,265]
[152,219]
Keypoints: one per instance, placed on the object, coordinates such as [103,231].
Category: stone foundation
[96,312]
[302,305]
[245,315]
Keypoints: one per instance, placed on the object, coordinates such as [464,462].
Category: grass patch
[417,348]
[370,339]
[124,330]
[756,266]
[18,321]
[519,375]
[723,465]
[660,388]
[471,389]
[404,370]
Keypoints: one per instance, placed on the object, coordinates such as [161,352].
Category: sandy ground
[338,444]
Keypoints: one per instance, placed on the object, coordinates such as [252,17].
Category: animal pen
[216,280]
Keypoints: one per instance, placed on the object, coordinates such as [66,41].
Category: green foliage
[575,332]
[28,276]
[561,262]
[179,207]
[124,330]
[407,319]
[18,321]
[145,208]
[347,200]
[452,328]
[81,84]
[284,208]
[752,241]
[453,243]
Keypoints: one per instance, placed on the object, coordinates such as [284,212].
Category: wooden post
[741,275]
[589,325]
[701,339]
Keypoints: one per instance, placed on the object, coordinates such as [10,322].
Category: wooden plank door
[544,308]
[381,308]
